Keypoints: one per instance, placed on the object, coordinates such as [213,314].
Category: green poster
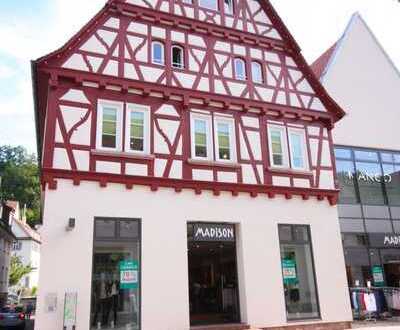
[289,271]
[377,273]
[129,274]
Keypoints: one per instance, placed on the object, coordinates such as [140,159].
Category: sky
[30,29]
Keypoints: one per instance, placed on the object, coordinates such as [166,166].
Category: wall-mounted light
[71,224]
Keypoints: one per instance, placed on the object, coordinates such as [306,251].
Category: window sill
[288,170]
[201,162]
[123,154]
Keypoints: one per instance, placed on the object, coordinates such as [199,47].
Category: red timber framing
[279,98]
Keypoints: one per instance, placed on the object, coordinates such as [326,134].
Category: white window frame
[152,52]
[131,107]
[119,106]
[302,134]
[210,150]
[232,139]
[237,77]
[285,152]
[211,8]
[230,6]
[259,66]
[183,57]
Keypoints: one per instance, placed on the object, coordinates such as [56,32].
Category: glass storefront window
[298,273]
[346,176]
[342,153]
[357,266]
[366,155]
[369,177]
[392,183]
[116,275]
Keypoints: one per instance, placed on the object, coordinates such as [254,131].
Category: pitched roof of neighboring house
[12,204]
[31,233]
[322,64]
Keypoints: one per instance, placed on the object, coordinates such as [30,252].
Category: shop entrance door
[213,284]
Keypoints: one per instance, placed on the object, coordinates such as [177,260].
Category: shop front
[369,212]
[217,262]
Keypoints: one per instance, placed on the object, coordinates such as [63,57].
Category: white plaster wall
[364,82]
[67,256]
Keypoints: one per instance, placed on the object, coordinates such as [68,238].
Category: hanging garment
[356,306]
[381,305]
[396,300]
[370,302]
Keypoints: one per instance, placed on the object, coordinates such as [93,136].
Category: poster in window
[377,273]
[289,271]
[129,274]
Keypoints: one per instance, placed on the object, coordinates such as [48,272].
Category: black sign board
[213,232]
[384,240]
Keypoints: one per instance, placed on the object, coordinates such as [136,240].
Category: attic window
[209,4]
[177,57]
[240,69]
[158,53]
[228,6]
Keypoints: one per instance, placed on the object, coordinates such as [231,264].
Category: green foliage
[20,180]
[34,291]
[18,270]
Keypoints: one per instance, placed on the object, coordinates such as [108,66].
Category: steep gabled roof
[320,64]
[40,80]
[30,233]
[323,64]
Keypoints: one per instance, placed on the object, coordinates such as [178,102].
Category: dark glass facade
[369,211]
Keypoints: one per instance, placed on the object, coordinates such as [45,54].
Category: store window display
[298,272]
[115,278]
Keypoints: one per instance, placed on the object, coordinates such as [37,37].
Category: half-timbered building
[188,173]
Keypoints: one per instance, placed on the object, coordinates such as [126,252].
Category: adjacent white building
[27,248]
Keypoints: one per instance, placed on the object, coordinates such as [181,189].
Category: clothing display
[374,303]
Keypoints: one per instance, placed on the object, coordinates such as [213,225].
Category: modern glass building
[369,214]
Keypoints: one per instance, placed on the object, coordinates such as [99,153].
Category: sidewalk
[386,325]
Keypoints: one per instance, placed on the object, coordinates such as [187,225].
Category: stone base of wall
[315,326]
[222,327]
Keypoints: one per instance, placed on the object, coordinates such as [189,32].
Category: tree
[20,180]
[18,270]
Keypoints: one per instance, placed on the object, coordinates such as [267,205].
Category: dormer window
[228,7]
[177,57]
[256,72]
[158,53]
[240,69]
[209,4]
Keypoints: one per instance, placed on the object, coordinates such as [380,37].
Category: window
[137,128]
[158,53]
[240,69]
[178,57]
[201,137]
[347,182]
[209,4]
[297,149]
[298,272]
[278,146]
[370,183]
[109,125]
[116,269]
[256,72]
[224,139]
[228,6]
[17,246]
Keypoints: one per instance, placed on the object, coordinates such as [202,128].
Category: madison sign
[214,232]
[384,240]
